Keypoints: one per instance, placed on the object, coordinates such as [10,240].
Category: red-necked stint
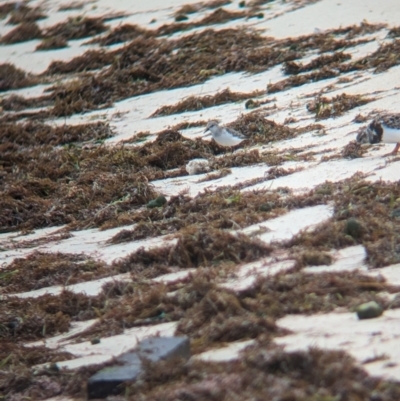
[385,128]
[223,135]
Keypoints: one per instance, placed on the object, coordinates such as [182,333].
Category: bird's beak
[206,130]
[352,132]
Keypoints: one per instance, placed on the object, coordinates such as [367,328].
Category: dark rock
[266,207]
[395,212]
[181,17]
[128,367]
[353,228]
[158,202]
[369,310]
[251,104]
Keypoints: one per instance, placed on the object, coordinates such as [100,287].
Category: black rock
[128,367]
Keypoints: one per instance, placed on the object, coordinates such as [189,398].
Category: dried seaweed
[291,67]
[265,372]
[326,108]
[25,320]
[353,150]
[14,78]
[76,28]
[197,247]
[39,270]
[394,32]
[194,8]
[261,130]
[372,206]
[57,186]
[35,133]
[23,13]
[122,33]
[23,32]
[90,60]
[136,69]
[226,209]
[193,103]
[55,42]
[7,8]
[385,57]
[299,80]
[16,103]
[72,5]
[43,186]
[219,16]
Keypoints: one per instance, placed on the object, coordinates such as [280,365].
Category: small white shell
[198,166]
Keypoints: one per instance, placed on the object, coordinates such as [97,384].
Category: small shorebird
[223,135]
[385,128]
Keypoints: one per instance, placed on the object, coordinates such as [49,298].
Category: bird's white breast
[390,135]
[226,139]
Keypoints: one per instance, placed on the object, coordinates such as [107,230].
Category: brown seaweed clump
[385,57]
[23,13]
[193,103]
[294,68]
[76,28]
[149,63]
[22,33]
[90,60]
[194,8]
[326,108]
[57,37]
[225,209]
[195,248]
[17,103]
[219,16]
[302,79]
[25,320]
[35,133]
[71,5]
[72,184]
[394,32]
[221,316]
[12,77]
[136,70]
[122,33]
[210,314]
[55,42]
[261,130]
[7,8]
[364,213]
[353,150]
[268,373]
[76,183]
[40,270]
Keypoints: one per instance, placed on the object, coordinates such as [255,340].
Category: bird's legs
[394,151]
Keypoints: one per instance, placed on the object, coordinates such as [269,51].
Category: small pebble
[181,17]
[266,207]
[353,228]
[251,104]
[395,212]
[158,202]
[369,310]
